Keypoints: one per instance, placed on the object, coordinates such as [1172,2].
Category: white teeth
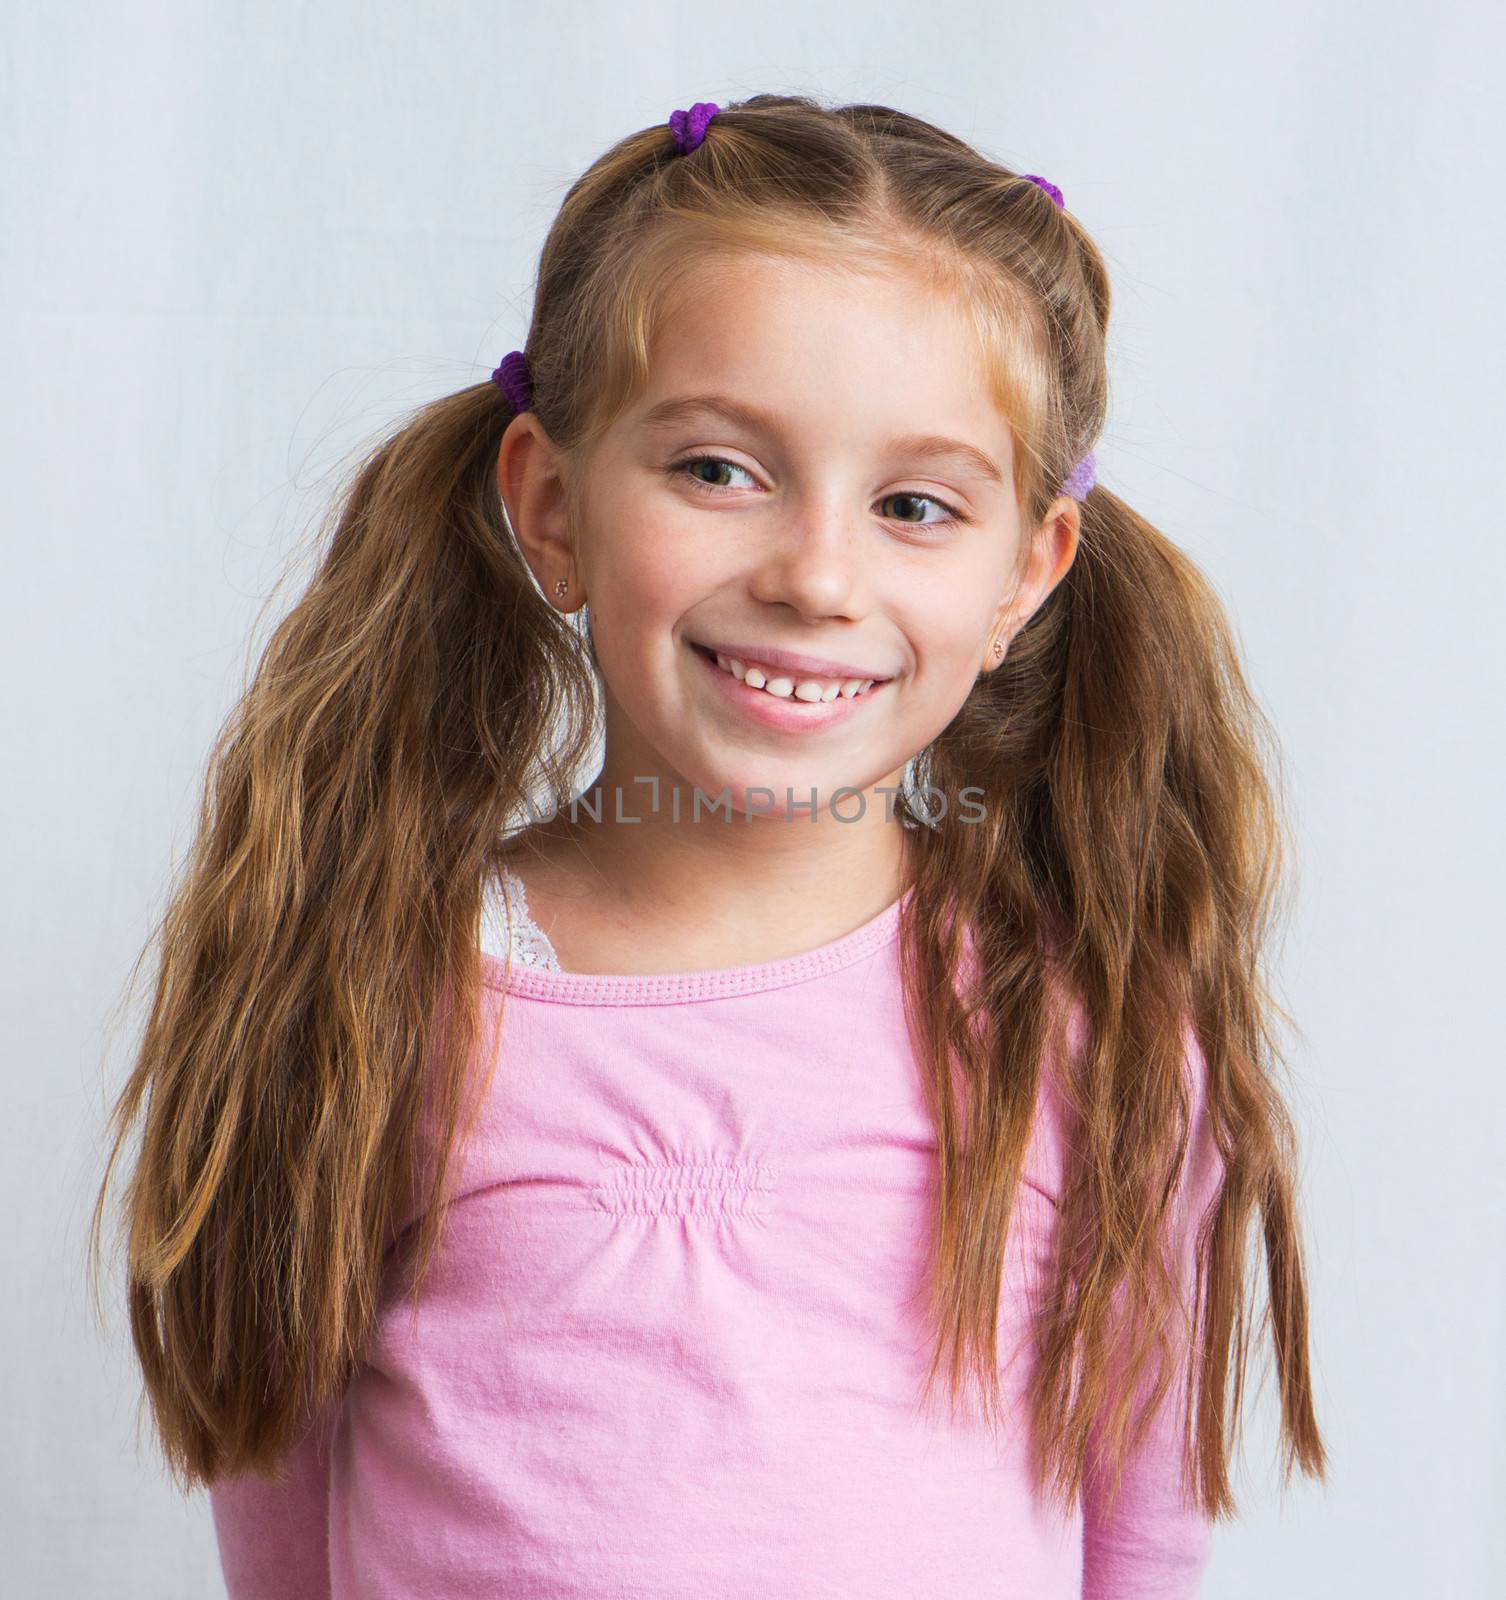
[809,689]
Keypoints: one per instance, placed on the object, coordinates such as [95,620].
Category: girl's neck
[660,896]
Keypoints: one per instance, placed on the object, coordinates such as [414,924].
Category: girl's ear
[532,486]
[1052,551]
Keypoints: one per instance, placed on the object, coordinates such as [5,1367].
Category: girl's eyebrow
[671,413]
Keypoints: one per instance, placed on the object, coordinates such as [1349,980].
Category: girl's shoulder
[561,911]
[508,928]
[521,898]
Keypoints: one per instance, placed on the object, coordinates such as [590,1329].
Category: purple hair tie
[1081,478]
[512,378]
[1046,184]
[689,127]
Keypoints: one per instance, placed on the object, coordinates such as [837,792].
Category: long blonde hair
[318,982]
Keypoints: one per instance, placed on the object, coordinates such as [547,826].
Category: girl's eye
[688,465]
[690,462]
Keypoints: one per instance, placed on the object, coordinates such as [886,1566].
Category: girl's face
[814,468]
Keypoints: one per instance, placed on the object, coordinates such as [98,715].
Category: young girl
[816,1155]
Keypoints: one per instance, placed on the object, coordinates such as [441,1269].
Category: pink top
[672,1344]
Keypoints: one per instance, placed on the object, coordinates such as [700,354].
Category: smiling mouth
[781,685]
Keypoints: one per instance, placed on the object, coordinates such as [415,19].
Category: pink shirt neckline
[675,988]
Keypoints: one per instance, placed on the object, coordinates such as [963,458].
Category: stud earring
[561,586]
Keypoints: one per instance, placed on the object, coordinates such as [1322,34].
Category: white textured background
[235,241]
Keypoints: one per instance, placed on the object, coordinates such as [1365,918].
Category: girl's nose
[814,564]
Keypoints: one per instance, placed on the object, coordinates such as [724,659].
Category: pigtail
[316,997]
[1127,876]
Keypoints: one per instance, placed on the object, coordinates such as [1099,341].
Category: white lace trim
[518,936]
